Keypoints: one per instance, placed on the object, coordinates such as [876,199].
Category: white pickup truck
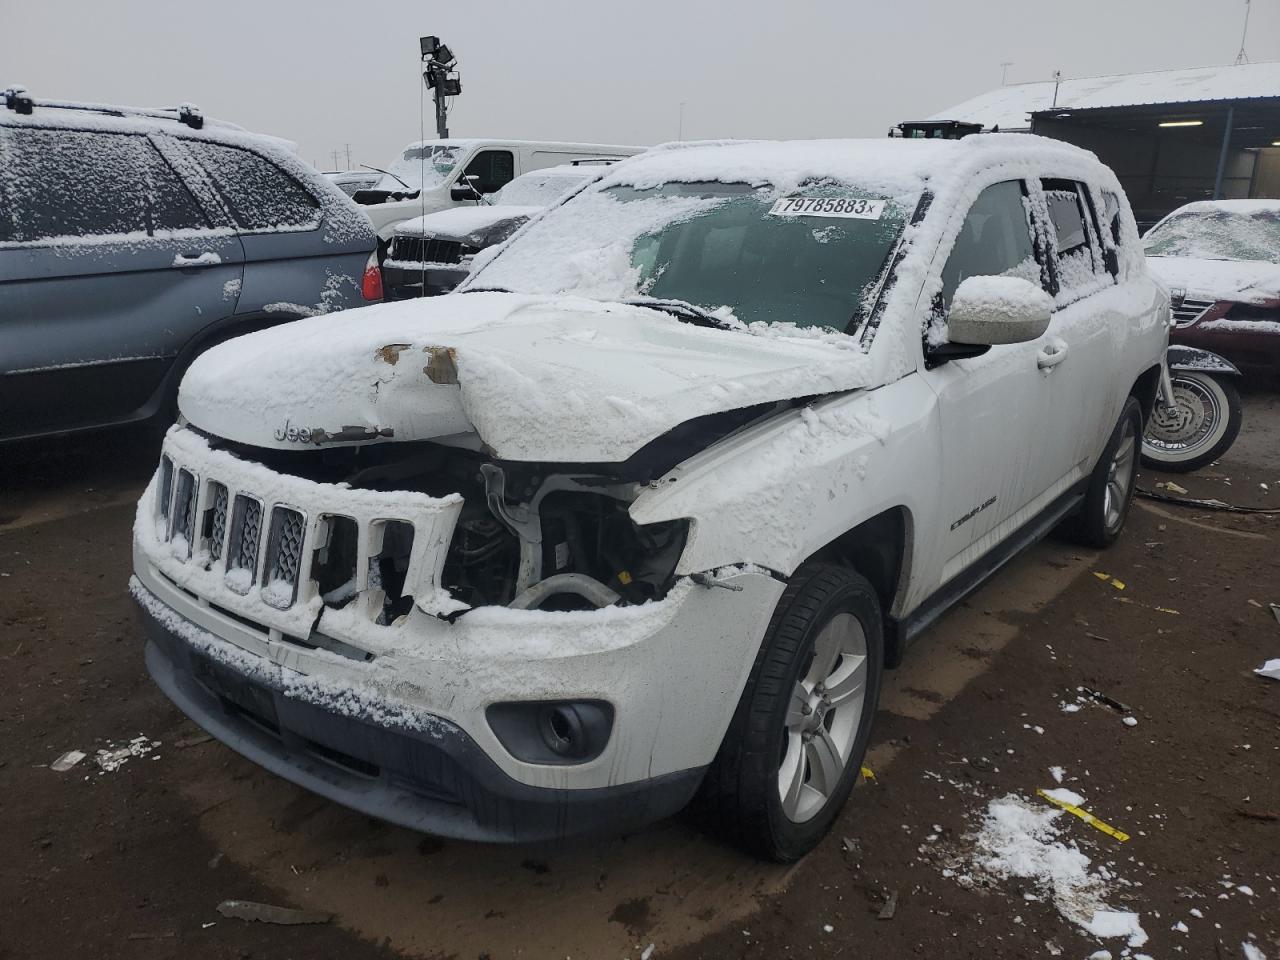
[643,510]
[436,175]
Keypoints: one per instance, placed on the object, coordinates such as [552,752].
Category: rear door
[1086,335]
[290,271]
[108,264]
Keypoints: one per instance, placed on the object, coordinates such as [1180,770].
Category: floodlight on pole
[440,77]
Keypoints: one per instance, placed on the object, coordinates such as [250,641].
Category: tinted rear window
[260,195]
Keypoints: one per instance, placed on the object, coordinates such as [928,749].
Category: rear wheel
[1110,491]
[796,743]
[1201,426]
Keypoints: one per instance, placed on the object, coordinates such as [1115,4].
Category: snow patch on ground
[1019,840]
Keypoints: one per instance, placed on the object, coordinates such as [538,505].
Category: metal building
[1172,137]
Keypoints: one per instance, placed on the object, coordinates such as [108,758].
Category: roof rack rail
[18,100]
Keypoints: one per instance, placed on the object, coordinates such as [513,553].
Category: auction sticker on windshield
[859,208]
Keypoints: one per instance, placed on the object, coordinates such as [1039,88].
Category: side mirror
[992,310]
[466,189]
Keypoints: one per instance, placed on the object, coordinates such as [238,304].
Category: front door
[990,407]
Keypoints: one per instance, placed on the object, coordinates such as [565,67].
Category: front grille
[284,557]
[242,550]
[426,250]
[233,527]
[1189,311]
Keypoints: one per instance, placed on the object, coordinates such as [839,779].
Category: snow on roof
[892,166]
[1244,208]
[1010,107]
[575,145]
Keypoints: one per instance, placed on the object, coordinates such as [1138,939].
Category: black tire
[1096,524]
[740,797]
[1226,400]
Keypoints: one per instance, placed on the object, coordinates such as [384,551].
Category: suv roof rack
[18,100]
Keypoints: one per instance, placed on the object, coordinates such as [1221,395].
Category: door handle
[206,259]
[1051,354]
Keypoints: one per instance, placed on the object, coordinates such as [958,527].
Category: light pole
[440,77]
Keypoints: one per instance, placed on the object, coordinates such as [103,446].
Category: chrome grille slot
[1189,311]
[183,520]
[334,559]
[215,520]
[284,557]
[242,547]
[166,487]
[388,566]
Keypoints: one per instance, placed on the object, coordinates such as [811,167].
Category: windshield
[538,189]
[1217,235]
[812,258]
[421,166]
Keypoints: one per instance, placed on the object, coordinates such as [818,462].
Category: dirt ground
[133,863]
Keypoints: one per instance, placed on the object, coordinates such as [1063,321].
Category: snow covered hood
[537,378]
[1242,281]
[459,223]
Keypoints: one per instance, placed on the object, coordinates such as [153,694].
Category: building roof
[1010,107]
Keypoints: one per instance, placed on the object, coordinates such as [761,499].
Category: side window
[259,194]
[72,183]
[494,168]
[169,204]
[1111,228]
[994,241]
[1078,262]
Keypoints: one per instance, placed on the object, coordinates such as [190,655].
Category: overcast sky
[325,73]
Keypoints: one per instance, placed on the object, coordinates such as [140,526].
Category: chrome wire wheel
[1190,423]
[1120,476]
[823,719]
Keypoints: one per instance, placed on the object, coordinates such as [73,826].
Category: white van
[428,176]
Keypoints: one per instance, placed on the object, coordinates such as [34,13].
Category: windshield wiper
[388,173]
[682,310]
[486,290]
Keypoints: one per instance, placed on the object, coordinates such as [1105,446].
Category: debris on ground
[113,758]
[890,907]
[67,761]
[1269,669]
[1108,578]
[267,913]
[192,741]
[1070,801]
[1275,611]
[1172,487]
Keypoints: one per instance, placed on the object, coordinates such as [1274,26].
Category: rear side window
[74,183]
[1078,261]
[494,169]
[260,195]
[995,240]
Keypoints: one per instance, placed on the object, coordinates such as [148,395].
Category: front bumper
[425,776]
[400,283]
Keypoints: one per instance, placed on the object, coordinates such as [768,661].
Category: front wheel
[1200,427]
[795,745]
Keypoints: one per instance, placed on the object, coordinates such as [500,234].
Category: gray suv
[131,240]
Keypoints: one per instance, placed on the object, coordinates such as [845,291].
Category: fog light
[558,731]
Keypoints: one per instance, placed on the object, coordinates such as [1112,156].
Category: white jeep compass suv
[644,510]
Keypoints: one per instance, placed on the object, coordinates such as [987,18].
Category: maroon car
[1221,262]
